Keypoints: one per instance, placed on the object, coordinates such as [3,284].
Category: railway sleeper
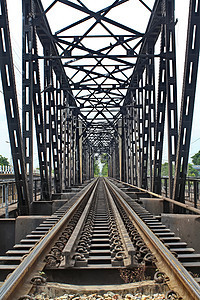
[13,257]
[94,235]
[187,256]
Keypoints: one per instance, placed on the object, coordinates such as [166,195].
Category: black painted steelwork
[167,98]
[188,97]
[12,111]
[27,106]
[106,89]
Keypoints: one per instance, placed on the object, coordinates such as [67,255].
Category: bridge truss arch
[92,84]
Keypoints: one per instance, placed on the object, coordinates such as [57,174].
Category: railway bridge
[102,83]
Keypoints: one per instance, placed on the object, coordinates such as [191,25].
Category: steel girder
[167,94]
[27,105]
[100,98]
[52,108]
[171,88]
[160,120]
[12,111]
[49,129]
[141,95]
[149,118]
[188,98]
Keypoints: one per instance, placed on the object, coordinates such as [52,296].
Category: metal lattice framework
[103,87]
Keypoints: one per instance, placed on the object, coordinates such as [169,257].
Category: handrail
[185,206]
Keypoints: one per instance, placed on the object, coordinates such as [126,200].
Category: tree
[104,162]
[192,172]
[105,170]
[4,161]
[196,158]
[96,167]
[164,169]
[104,158]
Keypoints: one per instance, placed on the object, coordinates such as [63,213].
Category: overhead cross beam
[99,93]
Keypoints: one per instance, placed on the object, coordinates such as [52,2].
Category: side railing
[192,190]
[8,193]
[6,170]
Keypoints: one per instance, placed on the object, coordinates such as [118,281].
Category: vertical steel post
[47,113]
[6,200]
[152,114]
[80,153]
[39,125]
[120,149]
[27,92]
[123,151]
[160,120]
[146,124]
[12,111]
[195,193]
[188,98]
[171,85]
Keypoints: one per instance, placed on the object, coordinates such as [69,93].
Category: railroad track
[99,231]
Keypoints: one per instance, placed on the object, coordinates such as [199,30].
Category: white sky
[125,13]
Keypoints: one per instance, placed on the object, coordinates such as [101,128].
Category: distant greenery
[196,158]
[104,161]
[96,167]
[104,171]
[104,158]
[4,161]
[164,169]
[191,172]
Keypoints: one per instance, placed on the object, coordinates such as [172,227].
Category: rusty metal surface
[106,218]
[100,239]
[180,279]
[34,261]
[182,205]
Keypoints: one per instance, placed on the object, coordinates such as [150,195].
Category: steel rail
[24,272]
[185,206]
[180,279]
[130,249]
[67,251]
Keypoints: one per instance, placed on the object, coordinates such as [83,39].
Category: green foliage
[196,158]
[96,168]
[104,158]
[164,169]
[191,171]
[105,170]
[4,161]
[104,161]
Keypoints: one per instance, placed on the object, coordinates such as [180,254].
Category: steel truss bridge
[95,85]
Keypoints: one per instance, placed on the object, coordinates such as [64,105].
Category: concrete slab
[145,287]
[153,205]
[66,196]
[25,224]
[41,208]
[187,227]
[57,204]
[7,234]
[133,195]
